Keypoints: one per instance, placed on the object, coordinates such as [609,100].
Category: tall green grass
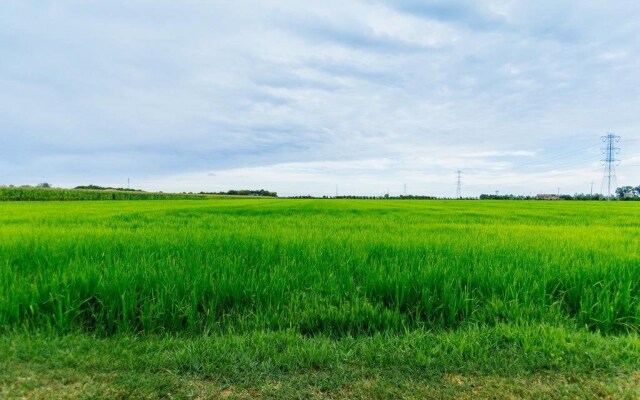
[317,266]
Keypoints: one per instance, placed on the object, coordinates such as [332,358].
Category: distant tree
[96,187]
[43,185]
[625,192]
[587,196]
[90,187]
[246,192]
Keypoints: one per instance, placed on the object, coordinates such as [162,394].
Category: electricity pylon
[609,152]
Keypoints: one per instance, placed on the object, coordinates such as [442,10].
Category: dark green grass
[317,267]
[57,194]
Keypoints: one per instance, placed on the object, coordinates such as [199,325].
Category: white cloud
[380,92]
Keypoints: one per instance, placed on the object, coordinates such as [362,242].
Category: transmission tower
[609,152]
[459,184]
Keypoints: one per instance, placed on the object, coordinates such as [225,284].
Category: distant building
[543,196]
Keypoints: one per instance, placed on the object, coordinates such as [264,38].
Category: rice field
[326,268]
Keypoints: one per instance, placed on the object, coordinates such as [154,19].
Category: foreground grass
[499,362]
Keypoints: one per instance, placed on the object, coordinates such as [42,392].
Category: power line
[551,160]
[609,152]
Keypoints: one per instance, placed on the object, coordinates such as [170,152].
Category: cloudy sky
[303,97]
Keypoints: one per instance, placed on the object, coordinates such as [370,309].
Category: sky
[358,97]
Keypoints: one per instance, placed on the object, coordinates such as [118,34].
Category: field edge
[505,361]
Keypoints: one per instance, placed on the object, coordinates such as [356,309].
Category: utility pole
[336,190]
[609,153]
[591,195]
[405,189]
[459,184]
[128,183]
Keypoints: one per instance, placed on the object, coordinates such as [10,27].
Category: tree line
[624,193]
[628,192]
[245,192]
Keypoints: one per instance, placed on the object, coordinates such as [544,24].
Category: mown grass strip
[485,362]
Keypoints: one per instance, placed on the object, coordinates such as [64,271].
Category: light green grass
[317,267]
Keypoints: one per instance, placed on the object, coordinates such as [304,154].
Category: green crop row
[52,194]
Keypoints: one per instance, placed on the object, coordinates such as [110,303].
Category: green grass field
[320,298]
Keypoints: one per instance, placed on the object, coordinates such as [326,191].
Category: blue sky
[299,97]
